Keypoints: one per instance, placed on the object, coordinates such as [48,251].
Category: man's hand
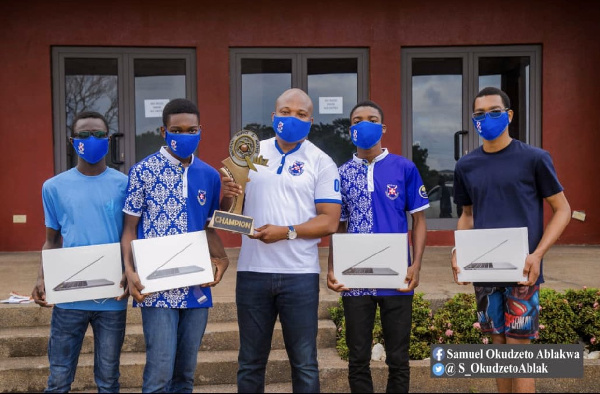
[531,270]
[333,284]
[412,278]
[221,264]
[230,188]
[123,285]
[270,233]
[134,286]
[39,293]
[456,269]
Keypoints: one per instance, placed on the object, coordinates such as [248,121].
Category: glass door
[334,78]
[438,89]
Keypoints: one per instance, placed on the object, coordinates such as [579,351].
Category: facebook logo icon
[438,354]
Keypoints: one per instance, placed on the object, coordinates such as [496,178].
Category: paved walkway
[564,266]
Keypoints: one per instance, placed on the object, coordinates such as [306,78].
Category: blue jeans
[396,319]
[67,330]
[260,297]
[173,337]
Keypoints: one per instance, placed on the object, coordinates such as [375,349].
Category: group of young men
[295,201]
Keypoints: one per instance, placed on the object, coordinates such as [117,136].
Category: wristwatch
[292,234]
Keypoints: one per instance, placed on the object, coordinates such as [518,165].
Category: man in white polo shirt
[294,202]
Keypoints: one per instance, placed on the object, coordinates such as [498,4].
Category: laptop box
[82,273]
[370,260]
[491,255]
[173,261]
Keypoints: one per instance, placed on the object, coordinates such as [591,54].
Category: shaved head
[294,98]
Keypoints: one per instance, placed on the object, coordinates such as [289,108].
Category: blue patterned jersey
[171,199]
[376,197]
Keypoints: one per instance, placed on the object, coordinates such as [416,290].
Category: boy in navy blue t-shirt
[503,184]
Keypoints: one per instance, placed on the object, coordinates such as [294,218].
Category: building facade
[423,62]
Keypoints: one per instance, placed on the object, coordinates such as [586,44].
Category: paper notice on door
[154,108]
[331,105]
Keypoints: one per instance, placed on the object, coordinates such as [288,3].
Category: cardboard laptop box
[491,255]
[370,260]
[82,273]
[174,261]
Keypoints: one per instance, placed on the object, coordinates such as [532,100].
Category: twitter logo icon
[438,369]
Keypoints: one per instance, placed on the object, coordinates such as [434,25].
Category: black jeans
[396,316]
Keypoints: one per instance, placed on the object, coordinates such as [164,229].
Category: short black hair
[491,91]
[367,103]
[179,106]
[89,115]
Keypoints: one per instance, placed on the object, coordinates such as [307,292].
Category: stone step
[33,341]
[31,315]
[216,372]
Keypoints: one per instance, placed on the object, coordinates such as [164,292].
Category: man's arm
[134,284]
[217,255]
[53,241]
[419,236]
[561,216]
[324,224]
[465,222]
[332,282]
[230,191]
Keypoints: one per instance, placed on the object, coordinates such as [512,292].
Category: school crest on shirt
[81,148]
[423,191]
[297,168]
[202,197]
[392,192]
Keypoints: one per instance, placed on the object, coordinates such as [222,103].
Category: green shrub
[456,322]
[585,304]
[557,320]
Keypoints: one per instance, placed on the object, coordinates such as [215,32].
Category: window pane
[437,115]
[156,82]
[333,88]
[263,80]
[510,74]
[91,85]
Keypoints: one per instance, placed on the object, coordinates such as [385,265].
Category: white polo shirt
[286,193]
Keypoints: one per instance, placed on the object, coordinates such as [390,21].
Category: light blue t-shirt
[87,210]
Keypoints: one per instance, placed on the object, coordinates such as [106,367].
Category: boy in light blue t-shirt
[82,206]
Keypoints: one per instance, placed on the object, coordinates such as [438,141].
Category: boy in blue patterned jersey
[378,188]
[82,207]
[503,184]
[173,192]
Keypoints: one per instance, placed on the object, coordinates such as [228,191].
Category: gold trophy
[243,155]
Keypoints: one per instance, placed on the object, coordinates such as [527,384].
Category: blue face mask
[183,145]
[366,134]
[491,128]
[91,149]
[290,128]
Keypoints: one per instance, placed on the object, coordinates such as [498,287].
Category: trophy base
[232,222]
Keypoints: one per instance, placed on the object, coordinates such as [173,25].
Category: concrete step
[216,372]
[31,315]
[33,341]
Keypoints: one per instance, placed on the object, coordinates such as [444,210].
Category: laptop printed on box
[165,273]
[82,273]
[491,255]
[374,261]
[83,284]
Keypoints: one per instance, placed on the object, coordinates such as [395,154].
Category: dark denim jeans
[396,317]
[67,330]
[260,297]
[173,337]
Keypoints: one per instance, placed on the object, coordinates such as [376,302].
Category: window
[129,86]
[335,79]
[438,89]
